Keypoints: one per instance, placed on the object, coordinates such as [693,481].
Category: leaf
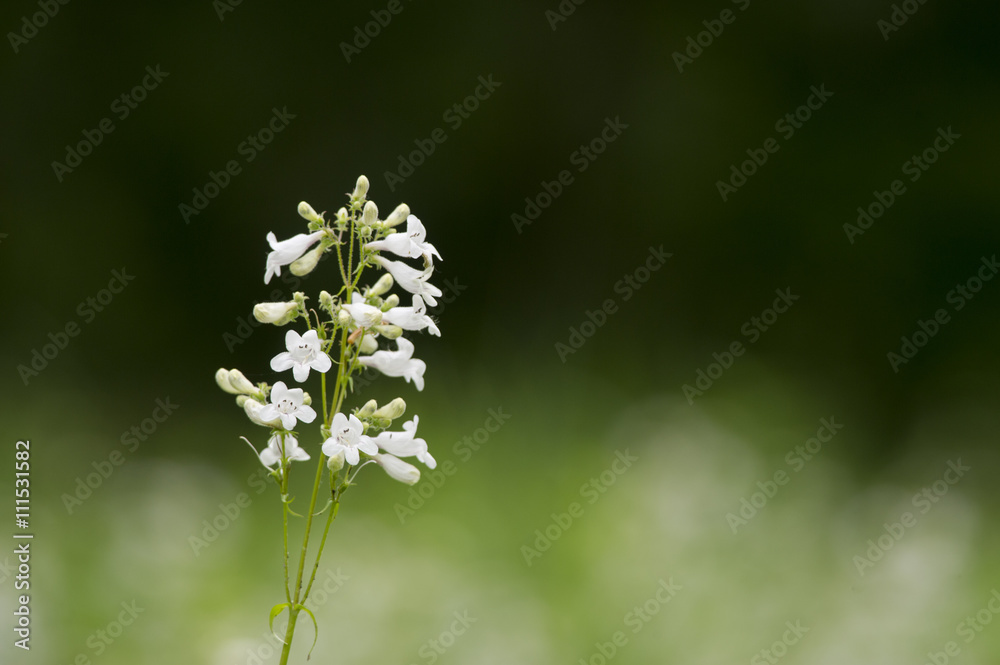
[275,611]
[329,502]
[288,503]
[315,628]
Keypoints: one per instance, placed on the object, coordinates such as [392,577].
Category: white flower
[411,245]
[398,469]
[411,318]
[304,352]
[405,443]
[278,313]
[272,454]
[411,279]
[398,363]
[286,251]
[286,405]
[363,314]
[346,438]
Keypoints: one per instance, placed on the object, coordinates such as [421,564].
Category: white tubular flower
[308,212]
[346,439]
[272,454]
[286,405]
[222,380]
[411,318]
[398,363]
[304,353]
[278,313]
[286,251]
[405,443]
[411,279]
[398,469]
[363,314]
[253,410]
[242,384]
[411,244]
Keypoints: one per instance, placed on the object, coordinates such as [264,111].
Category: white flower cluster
[358,318]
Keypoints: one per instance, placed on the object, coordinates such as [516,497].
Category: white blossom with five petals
[411,245]
[287,406]
[287,251]
[405,443]
[411,318]
[304,353]
[398,363]
[346,438]
[411,279]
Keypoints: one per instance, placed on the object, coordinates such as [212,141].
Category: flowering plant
[343,336]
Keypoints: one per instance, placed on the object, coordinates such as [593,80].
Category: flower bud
[278,313]
[383,284]
[325,300]
[360,188]
[342,215]
[336,463]
[370,214]
[307,212]
[222,379]
[343,318]
[241,400]
[389,331]
[368,409]
[398,469]
[242,384]
[390,302]
[308,261]
[306,398]
[392,410]
[368,345]
[397,217]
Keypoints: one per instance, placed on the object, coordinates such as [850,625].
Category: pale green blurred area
[664,518]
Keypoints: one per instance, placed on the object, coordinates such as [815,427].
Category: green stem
[289,631]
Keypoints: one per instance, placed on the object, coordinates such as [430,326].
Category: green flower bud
[390,302]
[370,214]
[241,400]
[336,463]
[242,384]
[306,398]
[360,189]
[307,212]
[397,217]
[343,318]
[383,284]
[392,410]
[326,300]
[308,261]
[389,332]
[368,409]
[368,345]
[278,313]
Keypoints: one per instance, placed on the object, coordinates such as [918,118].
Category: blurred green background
[515,291]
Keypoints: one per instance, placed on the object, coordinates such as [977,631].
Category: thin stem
[284,520]
[322,543]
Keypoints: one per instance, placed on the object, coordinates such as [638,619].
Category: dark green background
[655,185]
